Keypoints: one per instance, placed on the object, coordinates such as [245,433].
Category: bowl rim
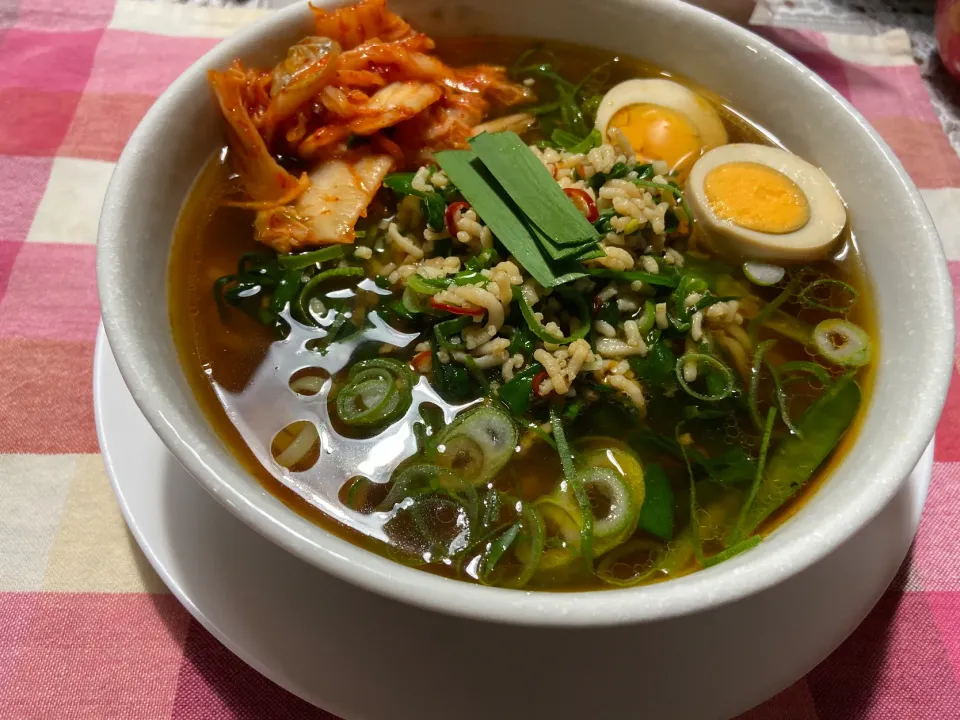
[698,592]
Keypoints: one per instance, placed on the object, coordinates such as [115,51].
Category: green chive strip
[564,252]
[495,208]
[533,188]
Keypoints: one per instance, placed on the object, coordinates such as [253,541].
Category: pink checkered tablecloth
[87,630]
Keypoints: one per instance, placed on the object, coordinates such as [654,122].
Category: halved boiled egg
[764,203]
[662,120]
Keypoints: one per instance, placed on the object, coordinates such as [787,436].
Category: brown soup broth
[241,374]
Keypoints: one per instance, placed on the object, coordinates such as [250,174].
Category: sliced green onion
[218,287]
[609,455]
[805,366]
[733,551]
[424,511]
[333,331]
[575,486]
[842,342]
[771,307]
[302,261]
[491,508]
[755,371]
[711,362]
[646,320]
[286,290]
[495,551]
[470,277]
[302,306]
[426,286]
[688,284]
[531,186]
[808,296]
[431,524]
[631,563]
[409,479]
[526,535]
[563,535]
[478,443]
[356,494]
[378,391]
[368,401]
[415,303]
[607,483]
[774,318]
[530,543]
[696,540]
[782,400]
[442,331]
[763,274]
[736,534]
[788,326]
[541,332]
[426,478]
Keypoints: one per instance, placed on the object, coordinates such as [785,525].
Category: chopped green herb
[628,276]
[516,392]
[656,513]
[434,206]
[541,332]
[795,459]
[301,261]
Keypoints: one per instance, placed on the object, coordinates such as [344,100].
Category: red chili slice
[597,305]
[421,361]
[584,203]
[456,309]
[454,210]
[538,381]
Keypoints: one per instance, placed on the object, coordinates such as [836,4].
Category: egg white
[813,241]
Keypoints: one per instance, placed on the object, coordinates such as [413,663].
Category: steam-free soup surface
[382,411]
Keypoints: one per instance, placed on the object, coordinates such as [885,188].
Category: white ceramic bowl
[899,245]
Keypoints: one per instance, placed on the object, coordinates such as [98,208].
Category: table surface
[872,17]
[87,630]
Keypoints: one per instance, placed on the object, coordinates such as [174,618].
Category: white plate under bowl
[366,657]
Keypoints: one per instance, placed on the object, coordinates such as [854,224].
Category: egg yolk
[756,197]
[659,133]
